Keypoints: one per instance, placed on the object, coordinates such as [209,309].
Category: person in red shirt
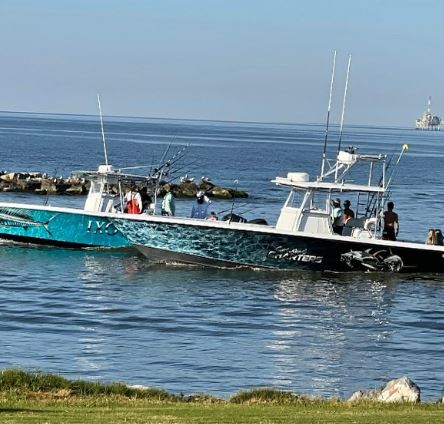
[133,201]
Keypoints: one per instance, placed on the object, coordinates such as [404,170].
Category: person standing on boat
[132,201]
[146,199]
[348,213]
[391,223]
[168,205]
[200,207]
[337,217]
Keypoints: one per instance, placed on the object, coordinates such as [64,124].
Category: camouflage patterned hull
[224,244]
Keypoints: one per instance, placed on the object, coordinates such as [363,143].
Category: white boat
[303,236]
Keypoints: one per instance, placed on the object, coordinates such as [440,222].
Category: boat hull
[247,245]
[58,226]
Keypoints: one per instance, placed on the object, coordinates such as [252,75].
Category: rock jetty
[41,183]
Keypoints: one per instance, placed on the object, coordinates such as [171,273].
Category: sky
[235,60]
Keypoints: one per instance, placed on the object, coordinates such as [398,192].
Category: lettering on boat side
[101,227]
[294,255]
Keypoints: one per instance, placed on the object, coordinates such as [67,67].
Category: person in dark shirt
[146,199]
[391,223]
[347,212]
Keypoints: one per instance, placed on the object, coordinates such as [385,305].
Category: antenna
[428,104]
[236,181]
[324,153]
[343,103]
[103,132]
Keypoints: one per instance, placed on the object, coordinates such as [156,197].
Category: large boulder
[226,193]
[76,189]
[11,176]
[186,189]
[54,186]
[206,185]
[400,390]
[28,184]
[220,193]
[238,193]
[48,185]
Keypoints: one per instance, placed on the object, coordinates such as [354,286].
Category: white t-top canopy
[327,186]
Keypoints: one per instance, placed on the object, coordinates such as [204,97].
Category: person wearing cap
[348,213]
[336,216]
[200,207]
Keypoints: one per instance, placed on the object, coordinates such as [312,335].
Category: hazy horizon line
[202,119]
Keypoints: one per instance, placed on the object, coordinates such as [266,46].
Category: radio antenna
[324,153]
[343,103]
[103,132]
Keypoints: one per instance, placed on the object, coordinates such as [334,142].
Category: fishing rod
[163,157]
[241,205]
[177,156]
[372,202]
[236,182]
[47,192]
[177,171]
[240,210]
[324,153]
[404,148]
[174,159]
[376,197]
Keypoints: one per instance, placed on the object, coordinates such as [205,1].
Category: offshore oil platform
[428,121]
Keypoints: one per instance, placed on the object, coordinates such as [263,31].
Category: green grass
[23,382]
[47,398]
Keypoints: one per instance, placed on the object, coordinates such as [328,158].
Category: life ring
[370,224]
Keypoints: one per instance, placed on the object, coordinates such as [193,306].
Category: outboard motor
[258,221]
[232,217]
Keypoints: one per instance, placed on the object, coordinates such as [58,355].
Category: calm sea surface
[109,316]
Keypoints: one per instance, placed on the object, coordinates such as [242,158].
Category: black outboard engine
[232,217]
[258,221]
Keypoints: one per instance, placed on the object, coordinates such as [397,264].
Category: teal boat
[71,227]
[92,225]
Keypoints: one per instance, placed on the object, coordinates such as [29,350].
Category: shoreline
[36,397]
[29,382]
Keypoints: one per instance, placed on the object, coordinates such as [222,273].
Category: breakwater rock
[41,183]
[400,390]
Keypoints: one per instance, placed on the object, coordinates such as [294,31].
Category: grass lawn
[114,410]
[44,398]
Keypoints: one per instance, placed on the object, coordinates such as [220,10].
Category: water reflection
[108,315]
[331,325]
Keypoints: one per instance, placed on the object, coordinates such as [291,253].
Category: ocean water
[108,315]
